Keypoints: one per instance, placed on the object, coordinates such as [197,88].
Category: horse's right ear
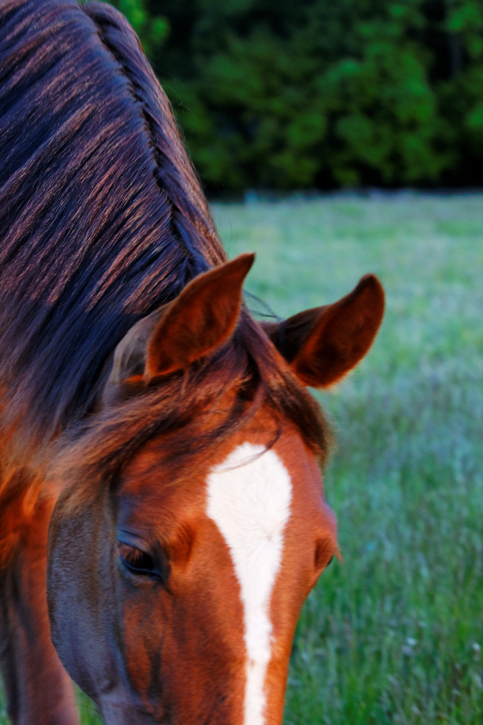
[323,344]
[198,321]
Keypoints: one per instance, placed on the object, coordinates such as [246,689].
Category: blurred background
[297,94]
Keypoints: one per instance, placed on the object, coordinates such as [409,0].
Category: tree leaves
[322,94]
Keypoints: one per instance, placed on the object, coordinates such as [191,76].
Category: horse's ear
[202,318]
[324,343]
[199,320]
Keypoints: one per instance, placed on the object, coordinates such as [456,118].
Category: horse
[162,516]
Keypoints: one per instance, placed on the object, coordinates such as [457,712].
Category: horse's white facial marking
[249,497]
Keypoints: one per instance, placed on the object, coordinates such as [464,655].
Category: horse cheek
[80,595]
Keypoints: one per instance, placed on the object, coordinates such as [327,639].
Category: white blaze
[249,498]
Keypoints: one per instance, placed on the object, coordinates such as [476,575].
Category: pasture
[394,633]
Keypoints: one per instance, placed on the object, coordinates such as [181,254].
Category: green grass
[392,634]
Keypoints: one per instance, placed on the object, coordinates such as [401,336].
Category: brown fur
[175,653]
[325,343]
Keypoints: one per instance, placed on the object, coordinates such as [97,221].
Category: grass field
[392,634]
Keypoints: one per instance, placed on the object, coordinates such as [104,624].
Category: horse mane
[103,220]
[102,216]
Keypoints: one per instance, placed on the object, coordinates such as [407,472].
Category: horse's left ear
[323,344]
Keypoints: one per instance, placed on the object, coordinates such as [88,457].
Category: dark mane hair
[103,220]
[102,216]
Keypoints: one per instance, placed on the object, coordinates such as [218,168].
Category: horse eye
[137,561]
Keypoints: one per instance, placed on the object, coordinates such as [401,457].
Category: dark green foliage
[151,29]
[318,93]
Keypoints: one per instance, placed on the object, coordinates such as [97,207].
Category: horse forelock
[191,414]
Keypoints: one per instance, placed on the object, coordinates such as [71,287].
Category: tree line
[322,93]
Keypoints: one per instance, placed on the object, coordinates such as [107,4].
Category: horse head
[192,523]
